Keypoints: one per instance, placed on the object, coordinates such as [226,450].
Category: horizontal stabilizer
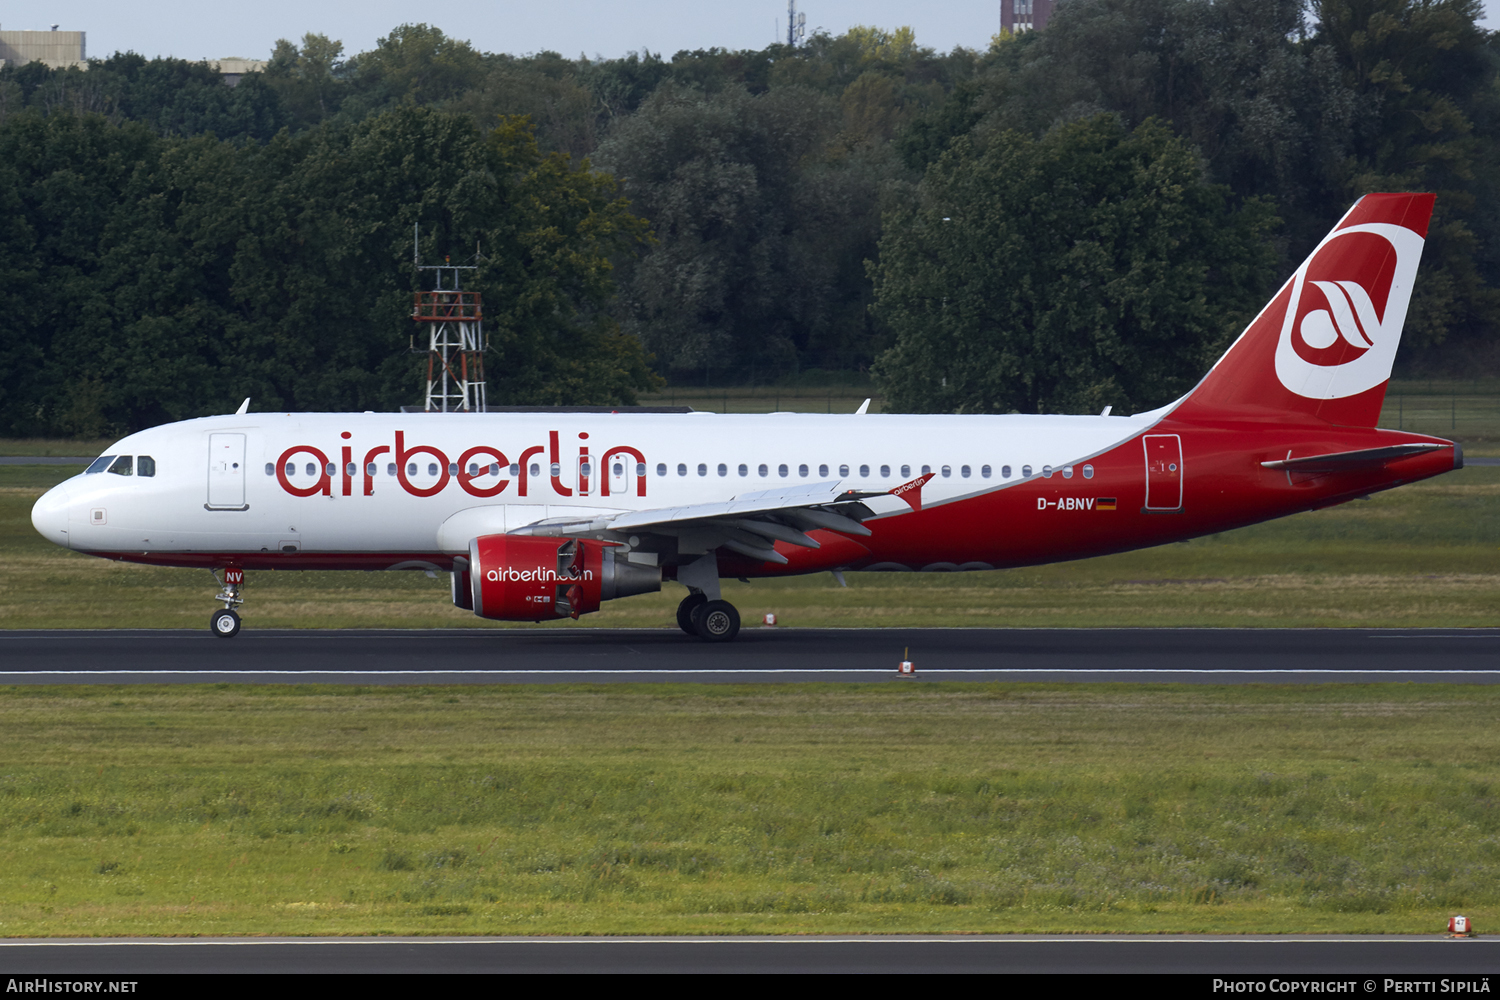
[1352,461]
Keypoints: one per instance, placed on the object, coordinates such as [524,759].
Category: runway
[760,655]
[1362,958]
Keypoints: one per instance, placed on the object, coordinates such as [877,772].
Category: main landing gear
[225,623]
[715,621]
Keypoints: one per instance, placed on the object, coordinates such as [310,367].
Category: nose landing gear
[225,623]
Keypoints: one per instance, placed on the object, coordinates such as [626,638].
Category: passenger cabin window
[661,468]
[1067,472]
[802,471]
[124,466]
[99,464]
[270,468]
[1025,470]
[764,471]
[964,471]
[906,471]
[681,469]
[984,470]
[702,469]
[947,471]
[781,471]
[885,472]
[744,470]
[723,469]
[822,472]
[1088,472]
[926,469]
[390,469]
[844,470]
[864,472]
[1004,472]
[640,470]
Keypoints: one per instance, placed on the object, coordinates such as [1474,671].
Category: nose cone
[50,515]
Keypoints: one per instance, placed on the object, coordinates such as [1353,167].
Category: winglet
[863,409]
[244,407]
[912,492]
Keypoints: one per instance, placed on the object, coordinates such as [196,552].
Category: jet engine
[530,579]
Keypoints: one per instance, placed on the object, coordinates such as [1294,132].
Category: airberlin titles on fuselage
[482,470]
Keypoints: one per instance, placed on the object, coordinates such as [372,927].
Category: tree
[1092,267]
[1415,65]
[416,63]
[150,278]
[310,79]
[760,232]
[1371,95]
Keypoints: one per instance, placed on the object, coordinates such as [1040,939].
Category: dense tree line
[149,279]
[252,240]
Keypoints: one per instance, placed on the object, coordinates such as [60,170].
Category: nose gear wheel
[224,623]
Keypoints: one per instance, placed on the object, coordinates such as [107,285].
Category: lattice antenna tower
[796,24]
[455,335]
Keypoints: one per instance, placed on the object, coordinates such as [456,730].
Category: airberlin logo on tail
[1348,304]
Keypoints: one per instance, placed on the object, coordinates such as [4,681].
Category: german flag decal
[1104,503]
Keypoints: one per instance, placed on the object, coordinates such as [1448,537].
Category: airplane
[540,516]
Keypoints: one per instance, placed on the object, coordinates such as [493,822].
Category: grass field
[1426,554]
[906,807]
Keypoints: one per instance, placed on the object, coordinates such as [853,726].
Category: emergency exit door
[226,472]
[1163,472]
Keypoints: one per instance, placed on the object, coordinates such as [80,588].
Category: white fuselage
[262,483]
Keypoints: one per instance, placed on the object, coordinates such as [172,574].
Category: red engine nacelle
[530,579]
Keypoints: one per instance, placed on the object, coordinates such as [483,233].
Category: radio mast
[796,24]
[455,335]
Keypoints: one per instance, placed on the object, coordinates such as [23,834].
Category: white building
[54,49]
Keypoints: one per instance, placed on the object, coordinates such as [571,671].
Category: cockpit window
[124,466]
[145,465]
[99,464]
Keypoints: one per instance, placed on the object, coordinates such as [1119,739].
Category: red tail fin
[1324,345]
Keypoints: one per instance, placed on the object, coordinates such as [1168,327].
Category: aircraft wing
[751,523]
[1352,461]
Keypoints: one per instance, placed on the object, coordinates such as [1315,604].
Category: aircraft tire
[690,603]
[224,623]
[717,621]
